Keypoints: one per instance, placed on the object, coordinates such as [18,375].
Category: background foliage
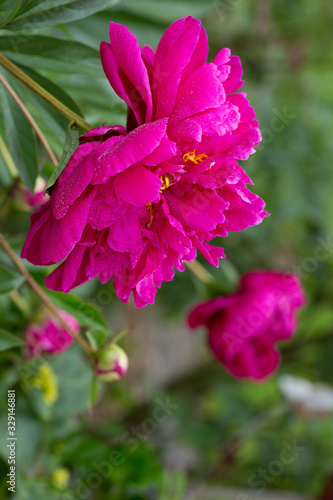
[223,432]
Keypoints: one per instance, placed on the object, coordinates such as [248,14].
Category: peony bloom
[49,336]
[133,204]
[245,326]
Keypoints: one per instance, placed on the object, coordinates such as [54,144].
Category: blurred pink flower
[245,326]
[49,336]
[34,200]
[29,201]
[133,204]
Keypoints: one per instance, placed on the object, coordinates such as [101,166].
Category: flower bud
[110,363]
[245,327]
[27,201]
[48,336]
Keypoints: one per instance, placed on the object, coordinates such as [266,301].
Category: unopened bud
[110,363]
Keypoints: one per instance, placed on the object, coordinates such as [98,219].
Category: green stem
[119,336]
[44,94]
[200,272]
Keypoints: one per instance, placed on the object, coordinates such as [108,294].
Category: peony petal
[106,208]
[232,77]
[182,49]
[146,291]
[202,91]
[205,311]
[245,208]
[123,65]
[212,254]
[31,247]
[199,209]
[72,272]
[148,57]
[102,134]
[132,149]
[57,238]
[125,233]
[76,176]
[137,186]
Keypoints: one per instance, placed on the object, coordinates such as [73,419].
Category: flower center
[191,156]
[151,211]
[165,182]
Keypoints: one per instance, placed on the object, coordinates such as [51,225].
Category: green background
[224,431]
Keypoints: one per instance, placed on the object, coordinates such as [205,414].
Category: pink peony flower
[133,204]
[49,336]
[245,326]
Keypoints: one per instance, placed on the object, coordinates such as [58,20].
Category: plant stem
[200,272]
[49,98]
[42,295]
[32,122]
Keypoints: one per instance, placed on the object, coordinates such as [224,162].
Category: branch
[49,98]
[41,294]
[30,119]
[200,272]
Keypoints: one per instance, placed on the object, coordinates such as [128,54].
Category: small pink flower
[245,326]
[133,204]
[36,199]
[49,336]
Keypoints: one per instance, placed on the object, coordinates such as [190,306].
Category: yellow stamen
[151,211]
[191,156]
[165,182]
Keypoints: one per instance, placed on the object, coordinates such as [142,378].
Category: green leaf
[20,139]
[8,341]
[71,144]
[166,11]
[29,435]
[55,55]
[28,5]
[6,179]
[60,12]
[6,8]
[74,382]
[52,124]
[12,13]
[96,338]
[54,89]
[83,311]
[9,281]
[8,379]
